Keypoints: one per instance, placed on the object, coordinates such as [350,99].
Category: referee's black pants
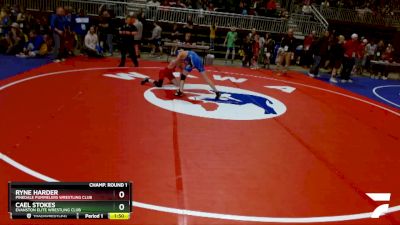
[130,49]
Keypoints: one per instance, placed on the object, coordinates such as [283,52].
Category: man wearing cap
[15,39]
[127,34]
[351,47]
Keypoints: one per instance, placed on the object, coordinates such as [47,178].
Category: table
[385,65]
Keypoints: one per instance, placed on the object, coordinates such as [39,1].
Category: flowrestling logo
[234,104]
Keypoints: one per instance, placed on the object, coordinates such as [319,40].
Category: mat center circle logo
[234,104]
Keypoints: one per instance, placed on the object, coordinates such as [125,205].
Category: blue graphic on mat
[243,99]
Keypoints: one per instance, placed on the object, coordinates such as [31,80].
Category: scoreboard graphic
[70,200]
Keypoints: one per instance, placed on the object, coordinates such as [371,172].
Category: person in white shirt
[92,43]
[153,3]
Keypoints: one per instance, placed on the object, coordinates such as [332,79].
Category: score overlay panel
[70,200]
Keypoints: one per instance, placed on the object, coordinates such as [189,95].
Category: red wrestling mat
[273,149]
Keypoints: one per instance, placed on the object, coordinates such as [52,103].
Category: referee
[127,34]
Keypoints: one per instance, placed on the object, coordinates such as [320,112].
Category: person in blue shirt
[33,47]
[5,22]
[193,61]
[58,26]
[81,27]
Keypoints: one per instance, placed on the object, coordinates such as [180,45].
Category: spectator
[5,22]
[138,37]
[360,58]
[188,28]
[256,50]
[286,52]
[248,52]
[210,7]
[271,8]
[188,39]
[387,57]
[324,4]
[380,49]
[127,34]
[92,46]
[175,37]
[35,47]
[106,32]
[370,50]
[82,23]
[58,25]
[307,54]
[213,29]
[23,20]
[229,42]
[307,9]
[156,38]
[153,3]
[320,52]
[165,3]
[15,39]
[242,8]
[179,4]
[269,47]
[351,49]
[337,51]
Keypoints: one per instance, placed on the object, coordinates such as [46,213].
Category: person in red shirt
[387,56]
[271,8]
[166,72]
[358,68]
[256,50]
[351,50]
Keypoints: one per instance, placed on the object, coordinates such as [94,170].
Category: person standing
[156,38]
[307,54]
[351,49]
[106,31]
[337,53]
[269,50]
[81,28]
[127,33]
[58,25]
[320,51]
[370,51]
[138,37]
[213,29]
[229,42]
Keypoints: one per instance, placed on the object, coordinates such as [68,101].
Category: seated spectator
[188,39]
[15,40]
[179,4]
[35,47]
[92,47]
[165,3]
[271,8]
[153,3]
[210,7]
[306,9]
[23,20]
[324,4]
